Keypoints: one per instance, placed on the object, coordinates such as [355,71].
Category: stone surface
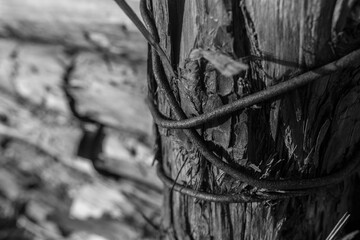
[82,23]
[108,90]
[39,170]
[64,63]
[112,92]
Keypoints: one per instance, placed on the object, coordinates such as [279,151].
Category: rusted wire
[307,186]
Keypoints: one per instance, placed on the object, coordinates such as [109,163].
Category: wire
[241,197]
[306,186]
[264,95]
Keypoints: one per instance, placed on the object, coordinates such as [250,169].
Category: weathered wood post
[305,133]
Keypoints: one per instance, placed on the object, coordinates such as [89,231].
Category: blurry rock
[37,211]
[85,235]
[69,22]
[38,76]
[107,228]
[9,187]
[66,56]
[98,200]
[8,51]
[111,92]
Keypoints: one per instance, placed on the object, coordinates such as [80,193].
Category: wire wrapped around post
[275,189]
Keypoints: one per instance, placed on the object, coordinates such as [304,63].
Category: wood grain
[276,138]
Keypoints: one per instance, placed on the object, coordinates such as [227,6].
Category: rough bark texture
[306,133]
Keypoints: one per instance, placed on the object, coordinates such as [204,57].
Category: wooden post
[304,134]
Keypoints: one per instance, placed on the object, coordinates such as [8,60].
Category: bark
[304,134]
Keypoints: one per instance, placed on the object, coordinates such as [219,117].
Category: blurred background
[75,133]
